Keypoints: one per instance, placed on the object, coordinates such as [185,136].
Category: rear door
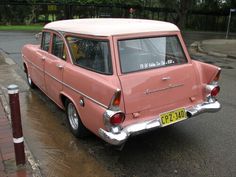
[155,74]
[54,67]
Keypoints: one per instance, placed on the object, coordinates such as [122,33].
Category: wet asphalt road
[202,146]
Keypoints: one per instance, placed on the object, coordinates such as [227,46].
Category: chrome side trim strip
[53,77]
[86,96]
[34,65]
[68,86]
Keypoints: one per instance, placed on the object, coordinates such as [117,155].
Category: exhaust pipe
[204,107]
[189,114]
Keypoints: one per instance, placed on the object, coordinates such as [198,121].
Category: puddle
[57,151]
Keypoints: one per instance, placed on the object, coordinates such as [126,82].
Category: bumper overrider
[119,137]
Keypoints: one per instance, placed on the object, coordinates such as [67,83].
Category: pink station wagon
[120,77]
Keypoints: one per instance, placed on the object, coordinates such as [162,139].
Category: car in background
[120,77]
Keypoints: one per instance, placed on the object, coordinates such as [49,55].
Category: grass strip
[21,27]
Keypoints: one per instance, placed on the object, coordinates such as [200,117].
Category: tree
[32,12]
[182,7]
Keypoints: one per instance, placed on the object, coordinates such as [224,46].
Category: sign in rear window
[149,53]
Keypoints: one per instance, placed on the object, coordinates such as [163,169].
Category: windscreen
[148,53]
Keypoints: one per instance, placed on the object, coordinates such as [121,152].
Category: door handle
[60,66]
[43,58]
[165,78]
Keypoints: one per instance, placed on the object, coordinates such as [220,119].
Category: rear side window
[90,54]
[149,53]
[45,41]
[58,47]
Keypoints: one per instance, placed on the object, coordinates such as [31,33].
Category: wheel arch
[64,97]
[25,67]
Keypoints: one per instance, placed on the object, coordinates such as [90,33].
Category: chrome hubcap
[29,79]
[73,116]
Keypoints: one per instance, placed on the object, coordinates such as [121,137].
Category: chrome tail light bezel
[112,110]
[209,89]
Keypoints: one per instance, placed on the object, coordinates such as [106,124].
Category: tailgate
[159,88]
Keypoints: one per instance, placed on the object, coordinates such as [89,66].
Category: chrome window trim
[87,38]
[153,36]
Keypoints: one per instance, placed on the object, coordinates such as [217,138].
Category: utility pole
[228,26]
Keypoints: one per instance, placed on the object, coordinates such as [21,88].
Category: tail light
[113,116]
[212,90]
[115,101]
[117,118]
[215,91]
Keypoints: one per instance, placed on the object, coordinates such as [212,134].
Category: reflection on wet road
[58,152]
[198,147]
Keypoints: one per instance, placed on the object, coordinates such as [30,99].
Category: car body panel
[152,90]
[144,94]
[35,64]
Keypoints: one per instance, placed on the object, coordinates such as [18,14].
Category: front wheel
[76,125]
[29,80]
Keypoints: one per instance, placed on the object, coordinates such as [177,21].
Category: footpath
[225,48]
[8,167]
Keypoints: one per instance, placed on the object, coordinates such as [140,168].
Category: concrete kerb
[198,46]
[4,100]
[231,56]
[216,54]
[7,60]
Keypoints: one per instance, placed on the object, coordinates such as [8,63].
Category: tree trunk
[182,20]
[182,11]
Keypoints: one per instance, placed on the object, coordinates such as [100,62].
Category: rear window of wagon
[148,53]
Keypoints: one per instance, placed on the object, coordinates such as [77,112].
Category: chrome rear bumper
[141,127]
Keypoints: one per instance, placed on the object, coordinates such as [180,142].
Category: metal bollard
[18,139]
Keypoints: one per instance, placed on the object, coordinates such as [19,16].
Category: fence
[13,12]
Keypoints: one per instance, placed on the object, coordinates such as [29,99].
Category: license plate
[173,116]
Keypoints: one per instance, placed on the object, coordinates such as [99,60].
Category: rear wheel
[76,125]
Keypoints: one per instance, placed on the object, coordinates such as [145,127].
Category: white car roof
[110,26]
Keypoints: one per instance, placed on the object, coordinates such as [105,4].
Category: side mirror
[38,36]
